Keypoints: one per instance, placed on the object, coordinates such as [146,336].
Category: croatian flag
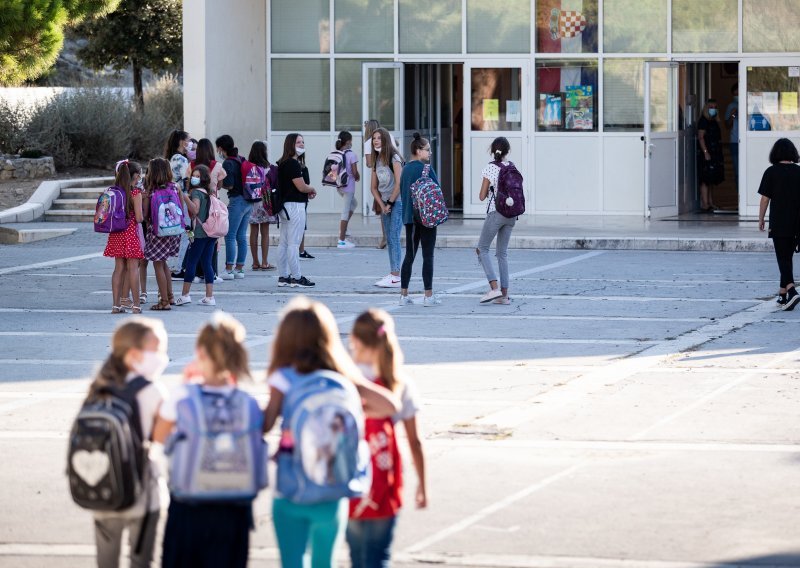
[566,26]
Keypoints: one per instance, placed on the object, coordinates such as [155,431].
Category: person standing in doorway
[370,126]
[732,120]
[780,192]
[385,186]
[239,210]
[709,137]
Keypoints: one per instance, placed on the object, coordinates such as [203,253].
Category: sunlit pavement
[628,409]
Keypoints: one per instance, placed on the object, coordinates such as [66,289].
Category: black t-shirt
[233,177]
[289,170]
[713,134]
[781,183]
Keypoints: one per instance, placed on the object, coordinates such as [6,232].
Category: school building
[599,98]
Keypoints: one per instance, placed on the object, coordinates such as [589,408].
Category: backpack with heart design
[106,456]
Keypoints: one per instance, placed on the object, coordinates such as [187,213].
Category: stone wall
[14,167]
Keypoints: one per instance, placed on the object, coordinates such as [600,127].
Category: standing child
[261,217]
[370,531]
[176,150]
[126,247]
[238,209]
[385,185]
[344,144]
[159,249]
[308,357]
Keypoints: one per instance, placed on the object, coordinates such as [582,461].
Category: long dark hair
[343,139]
[226,143]
[123,178]
[500,148]
[388,149]
[159,174]
[288,149]
[205,177]
[205,152]
[173,142]
[258,154]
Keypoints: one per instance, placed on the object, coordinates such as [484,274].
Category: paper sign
[755,103]
[770,103]
[788,103]
[491,110]
[513,111]
[580,108]
[794,71]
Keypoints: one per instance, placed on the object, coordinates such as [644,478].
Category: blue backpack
[323,456]
[217,451]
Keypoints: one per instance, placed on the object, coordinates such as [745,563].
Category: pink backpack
[216,224]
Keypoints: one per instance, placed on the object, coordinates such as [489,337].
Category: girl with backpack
[138,351]
[416,232]
[385,186]
[209,532]
[307,349]
[375,349]
[176,150]
[344,144]
[204,156]
[495,224]
[126,247]
[261,217]
[239,210]
[159,249]
[198,204]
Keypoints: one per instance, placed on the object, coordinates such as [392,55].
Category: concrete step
[81,193]
[69,215]
[14,234]
[77,204]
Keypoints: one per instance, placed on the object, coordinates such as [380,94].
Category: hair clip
[381,330]
[116,168]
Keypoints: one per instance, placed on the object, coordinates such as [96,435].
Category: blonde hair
[222,339]
[375,329]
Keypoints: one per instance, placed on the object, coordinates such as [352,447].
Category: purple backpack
[110,214]
[509,195]
[427,200]
[166,212]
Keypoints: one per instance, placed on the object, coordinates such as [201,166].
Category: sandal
[171,299]
[256,267]
[143,298]
[136,310]
[117,310]
[125,304]
[268,266]
[161,307]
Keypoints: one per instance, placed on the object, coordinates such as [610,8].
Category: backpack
[254,182]
[106,456]
[216,223]
[427,200]
[217,451]
[323,455]
[334,172]
[110,214]
[270,187]
[166,212]
[509,195]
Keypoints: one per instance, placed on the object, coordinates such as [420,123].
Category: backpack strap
[128,395]
[426,170]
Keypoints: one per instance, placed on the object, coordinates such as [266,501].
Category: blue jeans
[370,542]
[296,525]
[392,226]
[200,253]
[238,219]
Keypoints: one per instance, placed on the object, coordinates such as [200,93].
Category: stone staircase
[76,204]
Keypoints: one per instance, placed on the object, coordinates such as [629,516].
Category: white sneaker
[228,275]
[197,280]
[345,245]
[239,274]
[433,300]
[405,301]
[389,281]
[383,281]
[218,279]
[490,295]
[181,300]
[503,301]
[208,301]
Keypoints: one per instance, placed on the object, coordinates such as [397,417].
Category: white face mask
[377,147]
[299,151]
[152,365]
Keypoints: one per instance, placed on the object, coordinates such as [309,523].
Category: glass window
[772,98]
[566,26]
[300,26]
[364,26]
[566,96]
[623,95]
[348,94]
[708,26]
[635,26]
[430,27]
[301,95]
[502,26]
[497,99]
[760,32]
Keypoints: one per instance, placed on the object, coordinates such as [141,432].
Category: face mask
[192,155]
[140,184]
[377,147]
[299,151]
[712,112]
[152,365]
[195,181]
[367,370]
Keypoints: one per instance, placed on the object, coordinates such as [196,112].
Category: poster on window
[550,110]
[579,111]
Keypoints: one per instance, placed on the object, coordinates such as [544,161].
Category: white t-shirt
[491,171]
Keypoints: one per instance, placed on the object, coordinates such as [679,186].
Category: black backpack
[106,457]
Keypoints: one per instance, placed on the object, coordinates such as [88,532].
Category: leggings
[416,234]
[200,253]
[321,524]
[784,251]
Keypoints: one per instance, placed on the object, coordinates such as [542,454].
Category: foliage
[12,122]
[32,33]
[163,112]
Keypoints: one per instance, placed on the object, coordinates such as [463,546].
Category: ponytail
[375,329]
[500,148]
[222,339]
[343,139]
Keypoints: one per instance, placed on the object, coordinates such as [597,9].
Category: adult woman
[495,225]
[294,190]
[711,167]
[780,191]
[176,152]
[385,186]
[239,210]
[370,126]
[260,218]
[416,232]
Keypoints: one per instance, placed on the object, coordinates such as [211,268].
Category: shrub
[163,112]
[12,122]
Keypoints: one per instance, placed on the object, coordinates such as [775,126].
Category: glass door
[382,100]
[661,139]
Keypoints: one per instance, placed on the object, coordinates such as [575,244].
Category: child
[159,249]
[138,349]
[345,145]
[375,349]
[261,218]
[385,185]
[126,247]
[202,249]
[208,533]
[306,342]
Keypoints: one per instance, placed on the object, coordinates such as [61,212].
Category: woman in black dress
[711,166]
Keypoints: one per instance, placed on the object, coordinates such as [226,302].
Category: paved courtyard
[628,409]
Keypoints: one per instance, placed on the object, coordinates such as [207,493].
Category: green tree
[32,33]
[140,34]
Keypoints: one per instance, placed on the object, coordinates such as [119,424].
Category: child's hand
[421,498]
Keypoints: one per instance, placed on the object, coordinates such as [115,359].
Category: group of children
[341,401]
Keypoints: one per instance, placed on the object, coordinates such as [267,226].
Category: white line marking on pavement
[86,334]
[48,362]
[523,340]
[49,263]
